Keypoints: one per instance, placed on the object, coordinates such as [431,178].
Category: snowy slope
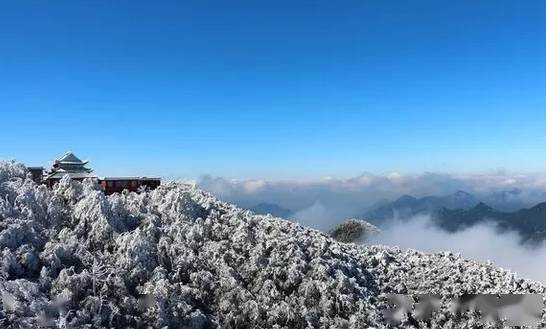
[178,258]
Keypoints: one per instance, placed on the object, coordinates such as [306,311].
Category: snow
[176,257]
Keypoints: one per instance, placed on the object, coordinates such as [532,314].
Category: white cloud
[253,186]
[480,242]
[316,216]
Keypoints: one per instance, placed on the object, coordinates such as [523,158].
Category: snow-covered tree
[176,257]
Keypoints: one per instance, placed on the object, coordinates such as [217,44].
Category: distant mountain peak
[540,207]
[406,198]
[482,206]
[265,208]
[408,206]
[462,194]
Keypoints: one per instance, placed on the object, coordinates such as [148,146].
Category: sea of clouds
[329,200]
[323,203]
[481,242]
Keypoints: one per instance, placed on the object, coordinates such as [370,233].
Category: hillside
[176,257]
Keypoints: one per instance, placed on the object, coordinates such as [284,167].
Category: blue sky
[275,89]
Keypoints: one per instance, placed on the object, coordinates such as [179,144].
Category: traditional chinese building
[68,165]
[71,166]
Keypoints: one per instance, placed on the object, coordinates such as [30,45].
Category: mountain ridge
[408,206]
[273,209]
[530,223]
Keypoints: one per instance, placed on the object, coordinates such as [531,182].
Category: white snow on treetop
[176,257]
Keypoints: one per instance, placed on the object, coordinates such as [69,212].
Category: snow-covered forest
[176,257]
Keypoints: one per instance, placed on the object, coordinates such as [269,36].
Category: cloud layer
[481,242]
[343,198]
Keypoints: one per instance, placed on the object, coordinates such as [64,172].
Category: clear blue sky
[275,88]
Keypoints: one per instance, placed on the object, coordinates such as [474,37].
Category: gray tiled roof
[69,165]
[70,158]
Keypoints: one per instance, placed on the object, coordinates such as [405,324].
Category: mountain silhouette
[272,209]
[408,206]
[530,223]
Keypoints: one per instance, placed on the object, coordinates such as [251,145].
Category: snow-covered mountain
[176,257]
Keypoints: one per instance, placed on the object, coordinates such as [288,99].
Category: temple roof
[69,165]
[70,158]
